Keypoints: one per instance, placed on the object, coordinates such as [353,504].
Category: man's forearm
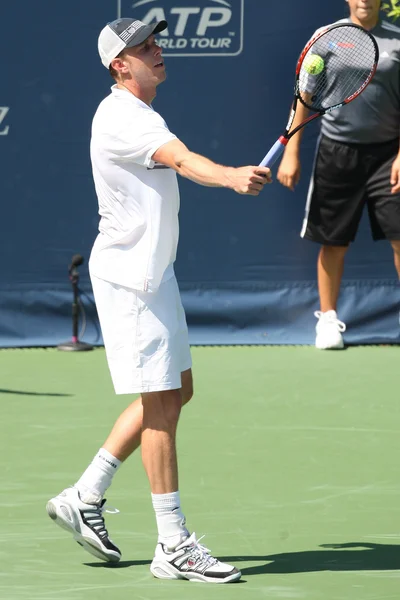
[243,180]
[203,171]
[295,142]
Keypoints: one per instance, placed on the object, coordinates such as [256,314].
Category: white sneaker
[85,522]
[329,331]
[191,560]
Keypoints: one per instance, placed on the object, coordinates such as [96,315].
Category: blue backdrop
[245,274]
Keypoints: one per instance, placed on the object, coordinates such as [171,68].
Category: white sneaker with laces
[191,560]
[329,331]
[85,522]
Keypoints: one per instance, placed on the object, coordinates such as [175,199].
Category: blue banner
[245,274]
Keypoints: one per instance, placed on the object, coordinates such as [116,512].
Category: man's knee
[161,410]
[338,251]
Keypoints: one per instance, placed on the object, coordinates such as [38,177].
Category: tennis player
[135,159]
[357,163]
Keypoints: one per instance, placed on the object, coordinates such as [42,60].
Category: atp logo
[195,27]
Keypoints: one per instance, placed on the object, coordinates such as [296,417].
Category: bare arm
[395,175]
[201,170]
[290,167]
[294,143]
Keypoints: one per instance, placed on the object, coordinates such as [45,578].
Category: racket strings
[336,67]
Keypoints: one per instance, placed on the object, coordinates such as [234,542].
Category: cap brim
[141,36]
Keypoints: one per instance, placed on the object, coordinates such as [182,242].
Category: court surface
[289,464]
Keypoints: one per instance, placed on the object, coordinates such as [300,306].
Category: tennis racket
[334,68]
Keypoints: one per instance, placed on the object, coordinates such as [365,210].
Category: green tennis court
[289,462]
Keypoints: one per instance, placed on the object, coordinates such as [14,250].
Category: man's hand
[248,180]
[289,170]
[395,175]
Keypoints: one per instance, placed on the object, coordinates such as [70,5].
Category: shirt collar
[120,93]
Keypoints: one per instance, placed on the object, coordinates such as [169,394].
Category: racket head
[335,66]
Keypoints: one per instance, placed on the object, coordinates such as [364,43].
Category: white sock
[97,477]
[170,519]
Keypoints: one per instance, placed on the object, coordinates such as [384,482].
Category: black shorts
[345,178]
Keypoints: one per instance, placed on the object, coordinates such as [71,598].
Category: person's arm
[395,175]
[290,168]
[201,170]
[294,143]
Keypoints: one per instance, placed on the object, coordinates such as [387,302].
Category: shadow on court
[357,556]
[21,393]
[122,564]
[332,557]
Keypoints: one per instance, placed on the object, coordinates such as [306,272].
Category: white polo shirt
[138,199]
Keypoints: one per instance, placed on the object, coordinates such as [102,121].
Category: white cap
[124,33]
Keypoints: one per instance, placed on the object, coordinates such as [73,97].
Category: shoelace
[95,519]
[203,555]
[331,320]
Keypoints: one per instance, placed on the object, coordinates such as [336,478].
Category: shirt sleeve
[140,137]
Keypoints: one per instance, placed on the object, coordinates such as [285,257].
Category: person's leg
[383,205]
[396,252]
[125,437]
[329,274]
[333,211]
[187,386]
[87,494]
[178,554]
[330,271]
[161,412]
[123,440]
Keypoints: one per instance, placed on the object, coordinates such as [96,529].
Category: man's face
[145,63]
[364,10]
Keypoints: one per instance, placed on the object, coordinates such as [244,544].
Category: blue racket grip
[273,155]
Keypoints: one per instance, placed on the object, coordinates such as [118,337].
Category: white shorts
[145,336]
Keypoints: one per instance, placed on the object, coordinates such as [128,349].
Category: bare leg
[161,412]
[126,434]
[396,251]
[330,271]
[187,386]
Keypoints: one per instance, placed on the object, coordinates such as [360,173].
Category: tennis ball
[313,64]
